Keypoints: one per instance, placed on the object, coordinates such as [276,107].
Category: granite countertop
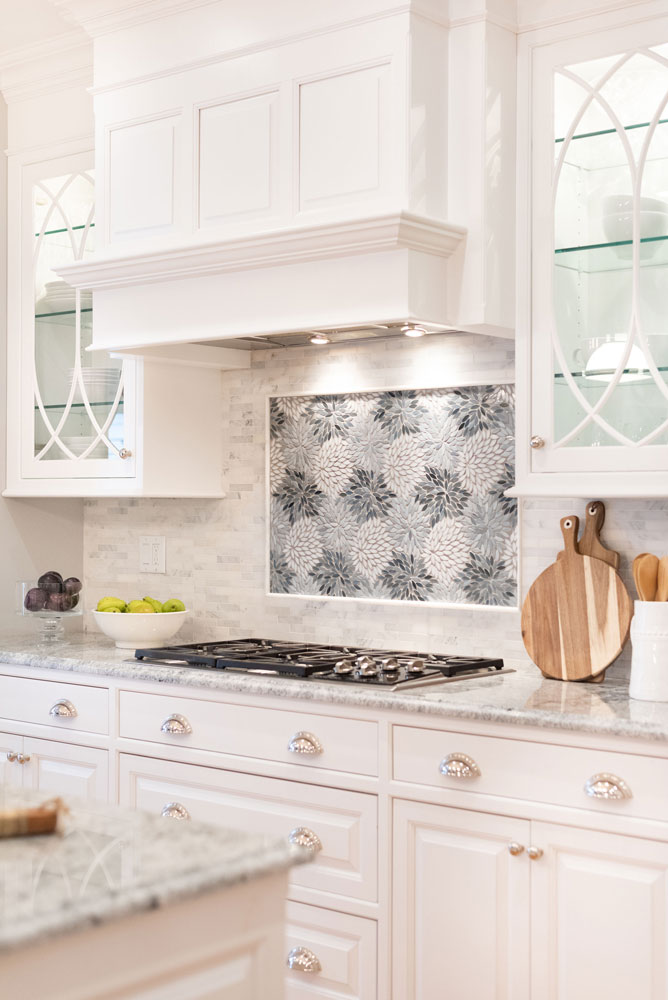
[111,862]
[522,698]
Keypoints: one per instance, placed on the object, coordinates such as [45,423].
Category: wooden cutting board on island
[577,614]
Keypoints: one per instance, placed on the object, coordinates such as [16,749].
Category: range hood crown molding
[391,231]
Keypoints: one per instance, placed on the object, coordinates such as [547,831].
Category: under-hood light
[413,331]
[319,338]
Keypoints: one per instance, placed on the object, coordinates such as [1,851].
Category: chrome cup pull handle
[176,725]
[63,709]
[303,837]
[459,765]
[305,743]
[607,786]
[303,960]
[174,810]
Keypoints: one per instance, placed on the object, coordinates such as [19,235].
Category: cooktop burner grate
[340,664]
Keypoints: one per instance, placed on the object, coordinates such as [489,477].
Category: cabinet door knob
[63,709]
[303,837]
[176,725]
[23,758]
[607,786]
[515,849]
[12,755]
[535,853]
[174,810]
[459,765]
[125,453]
[305,743]
[536,441]
[303,960]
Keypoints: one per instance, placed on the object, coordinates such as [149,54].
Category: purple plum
[35,599]
[59,602]
[72,585]
[52,582]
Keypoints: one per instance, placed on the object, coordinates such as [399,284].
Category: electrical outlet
[152,554]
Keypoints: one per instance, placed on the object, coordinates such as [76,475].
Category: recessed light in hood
[342,335]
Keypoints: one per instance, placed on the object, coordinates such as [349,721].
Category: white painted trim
[396,230]
[270,44]
[40,67]
[495,378]
[194,355]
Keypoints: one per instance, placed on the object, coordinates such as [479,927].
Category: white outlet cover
[152,554]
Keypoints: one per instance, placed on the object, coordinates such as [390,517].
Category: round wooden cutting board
[577,614]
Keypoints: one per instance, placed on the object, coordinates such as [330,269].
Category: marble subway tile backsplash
[217,550]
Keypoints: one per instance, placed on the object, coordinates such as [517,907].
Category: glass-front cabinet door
[77,417]
[599,289]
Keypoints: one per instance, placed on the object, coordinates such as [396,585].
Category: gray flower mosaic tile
[395,495]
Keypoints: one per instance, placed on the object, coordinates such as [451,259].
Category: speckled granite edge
[523,698]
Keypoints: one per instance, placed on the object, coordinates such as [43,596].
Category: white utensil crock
[649,660]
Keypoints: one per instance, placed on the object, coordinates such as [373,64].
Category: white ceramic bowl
[137,631]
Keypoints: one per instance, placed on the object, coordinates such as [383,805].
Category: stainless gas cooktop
[336,664]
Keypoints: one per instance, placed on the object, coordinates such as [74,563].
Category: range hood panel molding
[305,185]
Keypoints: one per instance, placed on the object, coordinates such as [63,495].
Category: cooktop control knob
[390,665]
[344,667]
[415,666]
[367,666]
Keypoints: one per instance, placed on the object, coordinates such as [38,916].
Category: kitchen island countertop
[520,698]
[110,862]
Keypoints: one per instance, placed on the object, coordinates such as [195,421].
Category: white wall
[35,535]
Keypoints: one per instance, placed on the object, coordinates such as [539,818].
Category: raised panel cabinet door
[460,905]
[599,906]
[11,772]
[66,769]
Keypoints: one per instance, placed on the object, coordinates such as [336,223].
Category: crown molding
[99,17]
[65,60]
[394,231]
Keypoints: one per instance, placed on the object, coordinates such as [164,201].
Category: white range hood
[260,175]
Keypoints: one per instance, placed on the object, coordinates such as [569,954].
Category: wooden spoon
[645,575]
[662,580]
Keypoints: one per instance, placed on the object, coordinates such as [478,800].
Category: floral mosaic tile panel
[395,495]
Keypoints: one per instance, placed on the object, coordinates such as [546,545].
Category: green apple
[173,604]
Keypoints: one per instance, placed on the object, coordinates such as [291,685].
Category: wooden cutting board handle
[577,614]
[590,544]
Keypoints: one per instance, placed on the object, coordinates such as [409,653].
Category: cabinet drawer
[345,744]
[345,823]
[28,700]
[345,948]
[534,771]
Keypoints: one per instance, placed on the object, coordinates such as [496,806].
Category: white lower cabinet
[460,906]
[54,768]
[599,916]
[66,769]
[10,771]
[473,919]
[342,824]
[329,954]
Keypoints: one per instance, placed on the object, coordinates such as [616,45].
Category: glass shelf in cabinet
[597,257]
[610,131]
[61,312]
[80,406]
[594,379]
[56,232]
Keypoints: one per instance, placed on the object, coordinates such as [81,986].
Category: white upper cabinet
[339,165]
[593,257]
[79,421]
